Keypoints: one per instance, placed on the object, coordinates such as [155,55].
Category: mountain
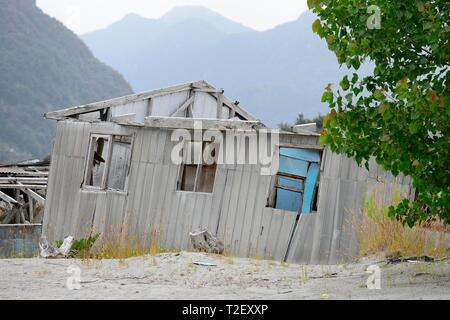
[276,74]
[43,67]
[185,13]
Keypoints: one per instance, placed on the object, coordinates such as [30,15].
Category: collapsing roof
[189,100]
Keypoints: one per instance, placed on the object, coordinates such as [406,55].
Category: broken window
[294,187]
[120,162]
[108,162]
[196,173]
[98,157]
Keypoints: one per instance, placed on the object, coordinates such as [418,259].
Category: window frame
[104,185]
[275,186]
[201,163]
[272,192]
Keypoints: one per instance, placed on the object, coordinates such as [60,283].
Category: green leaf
[356,64]
[345,84]
[331,39]
[383,108]
[379,95]
[325,138]
[387,115]
[427,25]
[414,128]
[316,26]
[313,3]
[327,96]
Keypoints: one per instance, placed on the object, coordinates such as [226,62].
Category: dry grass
[379,234]
[128,246]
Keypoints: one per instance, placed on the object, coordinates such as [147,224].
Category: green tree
[400,114]
[318,120]
[284,126]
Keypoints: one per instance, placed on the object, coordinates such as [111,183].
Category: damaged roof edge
[207,124]
[92,107]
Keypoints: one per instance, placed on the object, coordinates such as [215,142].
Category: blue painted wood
[293,166]
[310,184]
[288,200]
[301,154]
[290,183]
[302,163]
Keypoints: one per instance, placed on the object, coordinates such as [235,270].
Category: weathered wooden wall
[152,210]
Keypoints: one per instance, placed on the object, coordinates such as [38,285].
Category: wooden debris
[22,193]
[204,241]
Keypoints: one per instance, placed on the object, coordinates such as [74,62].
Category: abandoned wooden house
[112,172]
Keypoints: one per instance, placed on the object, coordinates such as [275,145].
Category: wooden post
[220,105]
[31,204]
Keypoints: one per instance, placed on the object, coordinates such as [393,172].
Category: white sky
[87,15]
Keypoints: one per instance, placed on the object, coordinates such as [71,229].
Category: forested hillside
[43,66]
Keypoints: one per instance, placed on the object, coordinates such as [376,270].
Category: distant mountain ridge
[276,74]
[185,13]
[43,66]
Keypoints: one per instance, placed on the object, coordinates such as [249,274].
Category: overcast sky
[87,15]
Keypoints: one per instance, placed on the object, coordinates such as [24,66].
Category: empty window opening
[98,157]
[294,187]
[108,162]
[198,174]
[94,116]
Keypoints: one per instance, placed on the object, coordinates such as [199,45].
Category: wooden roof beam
[207,124]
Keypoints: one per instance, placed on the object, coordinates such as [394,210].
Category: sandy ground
[175,276]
